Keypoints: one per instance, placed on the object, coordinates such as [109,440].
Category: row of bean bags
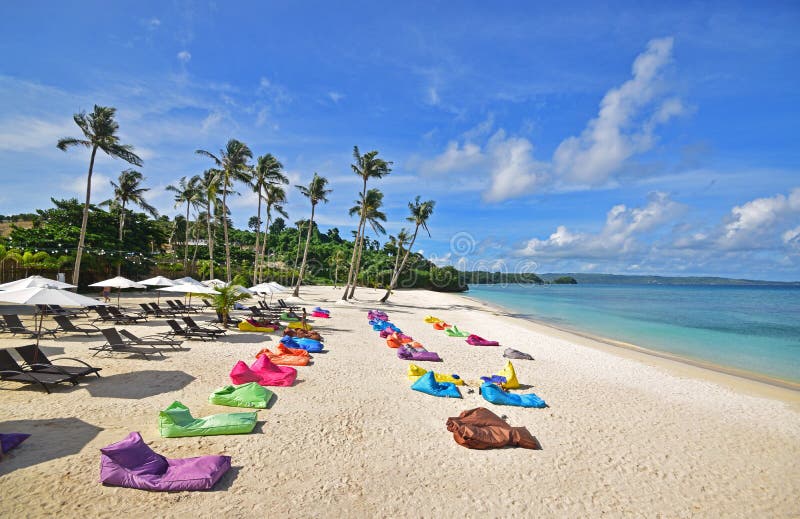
[264,372]
[428,384]
[251,394]
[131,463]
[286,356]
[480,428]
[177,421]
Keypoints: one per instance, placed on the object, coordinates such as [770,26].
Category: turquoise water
[752,328]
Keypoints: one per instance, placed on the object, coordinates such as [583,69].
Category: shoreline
[743,380]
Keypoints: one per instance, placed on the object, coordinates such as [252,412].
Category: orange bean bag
[393,342]
[286,356]
[441,325]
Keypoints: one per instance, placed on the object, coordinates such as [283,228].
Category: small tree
[225,299]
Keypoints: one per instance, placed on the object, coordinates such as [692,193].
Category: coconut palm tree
[420,213]
[370,207]
[100,133]
[398,243]
[129,190]
[266,173]
[336,261]
[186,192]
[316,193]
[299,224]
[232,162]
[210,187]
[275,198]
[366,166]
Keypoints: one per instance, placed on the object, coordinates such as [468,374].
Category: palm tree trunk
[76,273]
[358,265]
[297,256]
[264,246]
[361,225]
[305,255]
[225,235]
[397,272]
[186,241]
[210,241]
[194,236]
[121,227]
[258,231]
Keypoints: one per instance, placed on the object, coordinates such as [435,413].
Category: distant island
[620,279]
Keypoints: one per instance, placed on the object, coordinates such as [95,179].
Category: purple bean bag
[480,341]
[263,371]
[406,352]
[10,441]
[131,463]
[377,314]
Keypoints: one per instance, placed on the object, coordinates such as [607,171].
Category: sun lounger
[10,370]
[38,362]
[178,331]
[65,325]
[283,305]
[194,327]
[116,344]
[186,308]
[151,340]
[128,318]
[15,326]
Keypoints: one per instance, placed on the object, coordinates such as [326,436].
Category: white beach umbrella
[277,286]
[188,280]
[188,288]
[35,281]
[158,281]
[46,296]
[264,288]
[119,283]
[215,283]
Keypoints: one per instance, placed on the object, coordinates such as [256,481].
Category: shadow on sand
[139,384]
[50,439]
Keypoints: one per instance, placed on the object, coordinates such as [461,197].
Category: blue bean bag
[495,394]
[302,343]
[427,384]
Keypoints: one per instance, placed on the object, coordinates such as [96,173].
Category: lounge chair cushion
[480,428]
[428,384]
[496,395]
[10,441]
[264,372]
[131,463]
[176,421]
[415,372]
[250,395]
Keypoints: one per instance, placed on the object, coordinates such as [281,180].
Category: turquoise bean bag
[244,395]
[427,384]
[496,395]
[176,421]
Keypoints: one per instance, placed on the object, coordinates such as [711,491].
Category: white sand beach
[623,435]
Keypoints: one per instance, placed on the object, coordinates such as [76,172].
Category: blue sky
[624,138]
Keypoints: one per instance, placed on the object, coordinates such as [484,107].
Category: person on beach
[106,293]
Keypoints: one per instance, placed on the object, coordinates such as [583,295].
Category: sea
[750,328]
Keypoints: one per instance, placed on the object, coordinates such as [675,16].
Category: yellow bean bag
[511,376]
[431,319]
[297,325]
[414,372]
[247,327]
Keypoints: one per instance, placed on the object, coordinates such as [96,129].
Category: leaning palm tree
[420,212]
[266,173]
[336,261]
[275,198]
[210,187]
[366,166]
[369,207]
[299,224]
[316,193]
[128,191]
[186,192]
[100,133]
[232,162]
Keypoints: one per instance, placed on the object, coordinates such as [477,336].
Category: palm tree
[336,260]
[100,133]
[275,198]
[210,187]
[232,162]
[299,224]
[225,299]
[266,173]
[129,191]
[420,212]
[316,193]
[398,243]
[186,192]
[369,207]
[366,166]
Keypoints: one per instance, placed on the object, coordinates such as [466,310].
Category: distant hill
[618,279]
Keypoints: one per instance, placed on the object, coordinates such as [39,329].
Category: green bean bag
[286,317]
[243,395]
[176,421]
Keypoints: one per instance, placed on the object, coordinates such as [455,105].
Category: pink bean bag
[321,315]
[480,341]
[263,371]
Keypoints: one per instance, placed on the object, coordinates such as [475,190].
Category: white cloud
[76,186]
[753,224]
[31,133]
[792,237]
[184,56]
[335,96]
[153,23]
[432,96]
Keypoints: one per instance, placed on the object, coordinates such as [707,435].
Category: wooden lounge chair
[151,340]
[116,344]
[128,318]
[10,370]
[15,326]
[103,315]
[162,312]
[187,308]
[177,331]
[284,306]
[54,310]
[193,326]
[73,312]
[41,364]
[175,308]
[65,325]
[207,303]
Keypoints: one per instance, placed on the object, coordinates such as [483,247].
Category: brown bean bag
[302,334]
[480,428]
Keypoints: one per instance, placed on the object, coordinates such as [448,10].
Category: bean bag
[303,334]
[507,377]
[427,384]
[321,315]
[406,352]
[377,314]
[10,441]
[297,325]
[441,325]
[480,341]
[386,332]
[245,395]
[299,343]
[247,326]
[324,311]
[480,428]
[176,421]
[264,372]
[286,356]
[415,373]
[511,353]
[431,319]
[131,463]
[393,342]
[455,332]
[496,395]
